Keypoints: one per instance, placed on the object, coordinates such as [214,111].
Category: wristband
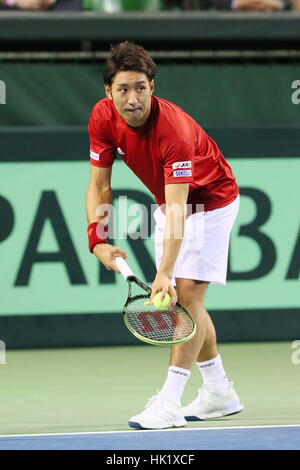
[97,233]
[10,3]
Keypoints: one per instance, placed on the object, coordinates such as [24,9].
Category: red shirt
[169,148]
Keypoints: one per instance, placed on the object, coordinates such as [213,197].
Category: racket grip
[123,267]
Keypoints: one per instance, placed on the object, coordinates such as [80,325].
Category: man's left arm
[176,198]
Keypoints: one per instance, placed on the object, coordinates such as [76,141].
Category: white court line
[84,433]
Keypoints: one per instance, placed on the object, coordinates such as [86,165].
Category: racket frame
[133,279]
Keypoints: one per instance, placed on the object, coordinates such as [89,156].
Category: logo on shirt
[178,165]
[181,173]
[120,151]
[94,156]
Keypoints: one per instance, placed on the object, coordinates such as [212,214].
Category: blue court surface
[237,438]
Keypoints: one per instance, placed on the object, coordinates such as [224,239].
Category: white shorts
[203,255]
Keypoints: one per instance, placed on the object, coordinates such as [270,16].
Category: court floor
[82,398]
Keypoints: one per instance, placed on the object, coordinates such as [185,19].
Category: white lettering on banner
[182,173]
[296,94]
[2,352]
[94,156]
[2,92]
[296,354]
[178,165]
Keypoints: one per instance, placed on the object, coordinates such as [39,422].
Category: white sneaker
[161,412]
[212,404]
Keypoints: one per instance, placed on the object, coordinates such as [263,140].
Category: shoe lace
[151,399]
[202,394]
[205,391]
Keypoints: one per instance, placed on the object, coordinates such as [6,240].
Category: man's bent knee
[190,291]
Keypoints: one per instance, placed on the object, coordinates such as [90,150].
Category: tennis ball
[161,304]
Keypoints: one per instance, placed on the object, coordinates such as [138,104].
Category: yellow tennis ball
[161,304]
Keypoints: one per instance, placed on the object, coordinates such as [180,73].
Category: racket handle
[123,267]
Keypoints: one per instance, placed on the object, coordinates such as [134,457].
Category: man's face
[131,94]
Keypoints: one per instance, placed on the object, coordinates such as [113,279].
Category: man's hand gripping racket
[158,327]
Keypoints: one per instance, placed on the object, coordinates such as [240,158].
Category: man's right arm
[98,204]
[98,194]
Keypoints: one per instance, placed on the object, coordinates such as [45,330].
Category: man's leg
[191,295]
[217,397]
[202,347]
[209,347]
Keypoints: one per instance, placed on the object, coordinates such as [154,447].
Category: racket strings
[146,320]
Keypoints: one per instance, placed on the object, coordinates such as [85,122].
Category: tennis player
[184,169]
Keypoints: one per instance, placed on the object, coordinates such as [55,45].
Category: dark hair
[127,56]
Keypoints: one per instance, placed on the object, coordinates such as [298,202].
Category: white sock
[175,382]
[214,375]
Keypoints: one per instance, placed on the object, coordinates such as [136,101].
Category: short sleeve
[178,161]
[102,151]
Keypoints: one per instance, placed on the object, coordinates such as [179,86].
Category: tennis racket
[149,324]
